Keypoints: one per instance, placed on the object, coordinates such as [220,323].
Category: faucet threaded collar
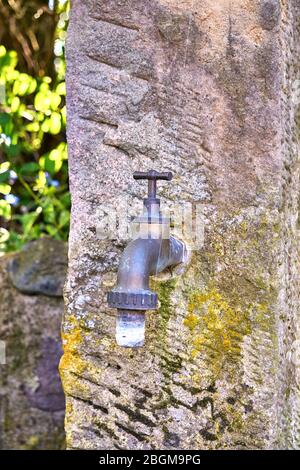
[145,300]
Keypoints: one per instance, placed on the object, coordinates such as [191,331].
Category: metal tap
[151,251]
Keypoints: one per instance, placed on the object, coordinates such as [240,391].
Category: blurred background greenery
[34,196]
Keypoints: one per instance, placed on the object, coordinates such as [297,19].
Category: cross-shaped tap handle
[152,176]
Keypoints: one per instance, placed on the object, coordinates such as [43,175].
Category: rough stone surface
[210,91]
[32,401]
[40,267]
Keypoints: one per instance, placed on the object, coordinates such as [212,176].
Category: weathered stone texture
[32,401]
[208,90]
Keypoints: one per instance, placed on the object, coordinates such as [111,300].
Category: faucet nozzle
[130,328]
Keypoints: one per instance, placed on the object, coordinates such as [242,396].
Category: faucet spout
[132,295]
[145,257]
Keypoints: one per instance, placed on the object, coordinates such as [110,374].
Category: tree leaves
[34,197]
[33,181]
[5,210]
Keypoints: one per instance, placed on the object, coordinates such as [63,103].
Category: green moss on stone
[16,346]
[165,291]
[170,363]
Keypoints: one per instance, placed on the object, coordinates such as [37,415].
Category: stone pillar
[210,91]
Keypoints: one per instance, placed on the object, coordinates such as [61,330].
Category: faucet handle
[152,176]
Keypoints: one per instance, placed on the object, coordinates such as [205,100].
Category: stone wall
[208,90]
[31,397]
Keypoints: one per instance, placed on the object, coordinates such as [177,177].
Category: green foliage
[34,197]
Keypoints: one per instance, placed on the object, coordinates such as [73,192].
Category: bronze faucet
[150,252]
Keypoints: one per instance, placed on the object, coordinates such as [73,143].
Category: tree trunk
[210,91]
[28,27]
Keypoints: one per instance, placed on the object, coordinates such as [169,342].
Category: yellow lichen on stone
[73,368]
[71,364]
[71,337]
[217,328]
[31,443]
[69,407]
